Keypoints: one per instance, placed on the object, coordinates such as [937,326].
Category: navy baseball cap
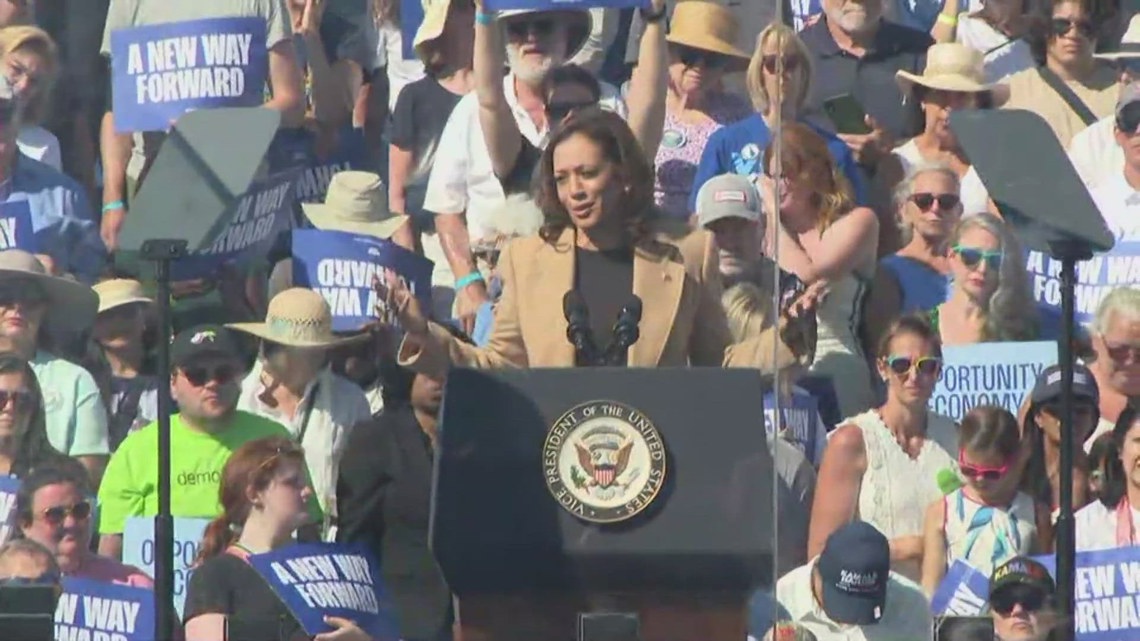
[1048,385]
[854,568]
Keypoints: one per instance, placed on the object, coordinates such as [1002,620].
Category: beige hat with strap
[117,292]
[710,27]
[356,202]
[952,66]
[297,317]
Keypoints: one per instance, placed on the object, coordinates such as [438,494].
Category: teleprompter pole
[162,253]
[1066,543]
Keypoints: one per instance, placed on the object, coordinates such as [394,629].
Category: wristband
[486,19]
[111,206]
[948,20]
[473,277]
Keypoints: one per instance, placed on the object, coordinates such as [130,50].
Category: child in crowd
[986,521]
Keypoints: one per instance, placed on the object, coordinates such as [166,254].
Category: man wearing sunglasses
[1021,601]
[206,384]
[54,510]
[1094,152]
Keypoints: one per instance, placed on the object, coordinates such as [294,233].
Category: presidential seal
[604,461]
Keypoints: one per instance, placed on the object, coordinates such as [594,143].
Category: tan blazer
[682,322]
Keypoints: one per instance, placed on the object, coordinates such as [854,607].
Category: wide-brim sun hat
[356,202]
[297,317]
[118,292]
[952,66]
[72,306]
[1129,43]
[579,23]
[709,27]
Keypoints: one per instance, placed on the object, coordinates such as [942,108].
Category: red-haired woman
[828,242]
[264,492]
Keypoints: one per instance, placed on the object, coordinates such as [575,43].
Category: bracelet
[111,206]
[948,20]
[486,19]
[473,277]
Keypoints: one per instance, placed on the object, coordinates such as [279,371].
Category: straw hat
[355,202]
[1129,43]
[297,317]
[579,23]
[951,66]
[71,305]
[117,292]
[709,27]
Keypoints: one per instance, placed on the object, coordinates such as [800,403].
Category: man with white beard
[464,179]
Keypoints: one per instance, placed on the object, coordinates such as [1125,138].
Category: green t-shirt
[130,484]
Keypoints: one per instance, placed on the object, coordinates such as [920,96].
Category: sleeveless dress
[838,352]
[986,536]
[896,489]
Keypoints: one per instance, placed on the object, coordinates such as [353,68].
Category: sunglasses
[200,375]
[21,293]
[972,257]
[1062,26]
[19,400]
[771,63]
[969,470]
[1031,599]
[1129,119]
[924,201]
[1122,353]
[540,27]
[558,111]
[56,515]
[691,57]
[926,366]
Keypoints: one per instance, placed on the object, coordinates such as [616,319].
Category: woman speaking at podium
[602,241]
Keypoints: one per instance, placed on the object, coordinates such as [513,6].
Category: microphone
[578,328]
[626,332]
[948,481]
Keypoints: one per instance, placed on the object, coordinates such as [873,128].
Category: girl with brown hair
[263,493]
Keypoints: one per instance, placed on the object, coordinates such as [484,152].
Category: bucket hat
[709,27]
[952,66]
[118,292]
[356,202]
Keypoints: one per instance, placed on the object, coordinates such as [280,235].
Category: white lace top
[897,489]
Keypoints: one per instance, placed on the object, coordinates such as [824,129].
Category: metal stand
[609,626]
[1065,536]
[162,253]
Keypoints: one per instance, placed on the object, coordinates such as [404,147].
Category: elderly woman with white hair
[990,297]
[1116,366]
[916,277]
[780,67]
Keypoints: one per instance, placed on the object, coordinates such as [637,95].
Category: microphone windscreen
[572,305]
[633,309]
[948,481]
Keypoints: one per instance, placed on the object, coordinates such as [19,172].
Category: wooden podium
[568,492]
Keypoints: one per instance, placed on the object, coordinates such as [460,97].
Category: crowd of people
[785,195]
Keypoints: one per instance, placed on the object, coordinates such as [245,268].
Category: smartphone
[846,114]
[954,628]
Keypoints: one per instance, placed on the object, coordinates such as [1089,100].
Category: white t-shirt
[462,179]
[1094,152]
[390,54]
[1003,58]
[975,197]
[1095,527]
[38,143]
[1119,205]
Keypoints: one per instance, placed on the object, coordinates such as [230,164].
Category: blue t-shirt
[739,149]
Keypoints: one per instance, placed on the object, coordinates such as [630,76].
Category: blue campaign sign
[316,580]
[562,5]
[101,611]
[341,267]
[348,152]
[1096,277]
[254,222]
[16,230]
[138,549]
[9,486]
[161,71]
[411,15]
[963,592]
[800,422]
[989,374]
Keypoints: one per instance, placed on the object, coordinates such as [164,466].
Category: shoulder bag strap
[308,414]
[1068,95]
